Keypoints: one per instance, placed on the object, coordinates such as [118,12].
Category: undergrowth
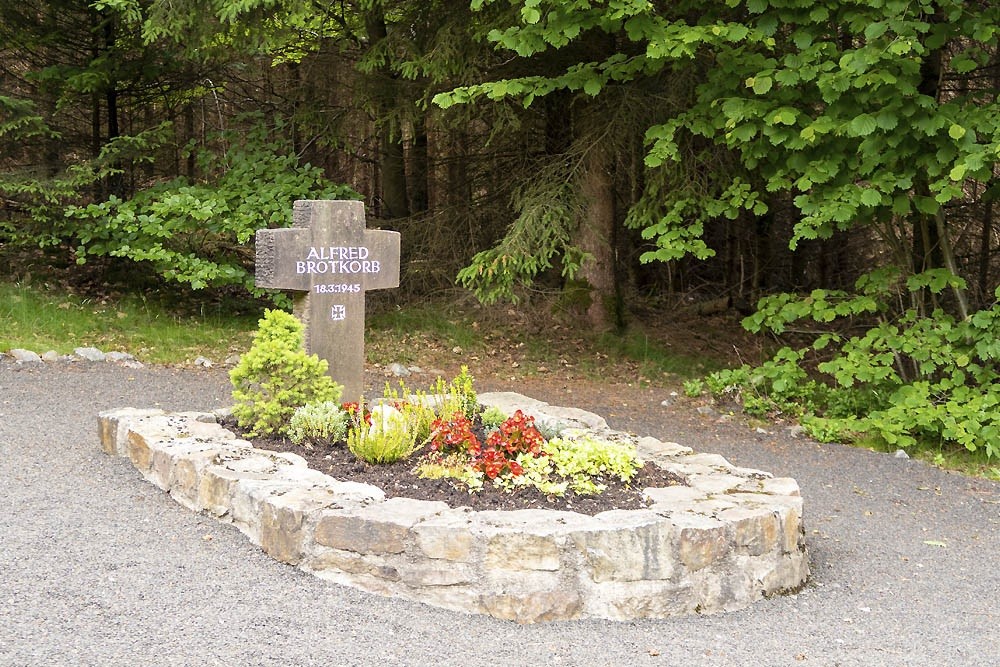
[914,379]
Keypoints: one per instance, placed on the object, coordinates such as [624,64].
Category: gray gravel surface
[97,567]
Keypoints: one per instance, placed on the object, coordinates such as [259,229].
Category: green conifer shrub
[276,376]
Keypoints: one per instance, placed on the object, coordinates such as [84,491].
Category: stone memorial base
[734,535]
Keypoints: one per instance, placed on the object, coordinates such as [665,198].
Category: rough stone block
[784,486]
[710,506]
[651,447]
[139,452]
[558,605]
[639,599]
[514,551]
[446,537]
[573,417]
[703,540]
[787,574]
[755,531]
[216,486]
[380,529]
[789,509]
[285,518]
[792,530]
[435,572]
[713,460]
[715,483]
[204,425]
[509,402]
[638,546]
[349,492]
[325,561]
[673,495]
[166,454]
[254,463]
[248,498]
[186,486]
[113,425]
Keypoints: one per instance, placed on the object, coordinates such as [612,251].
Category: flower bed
[731,536]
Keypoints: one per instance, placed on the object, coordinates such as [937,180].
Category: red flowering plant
[454,435]
[517,435]
[494,463]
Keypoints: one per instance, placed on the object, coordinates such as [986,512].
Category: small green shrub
[693,388]
[276,376]
[550,430]
[492,417]
[324,421]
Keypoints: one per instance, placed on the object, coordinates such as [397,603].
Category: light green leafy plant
[454,467]
[324,421]
[579,464]
[276,376]
[693,388]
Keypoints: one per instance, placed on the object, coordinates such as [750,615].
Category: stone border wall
[732,536]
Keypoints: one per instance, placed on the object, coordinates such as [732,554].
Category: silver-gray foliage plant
[325,421]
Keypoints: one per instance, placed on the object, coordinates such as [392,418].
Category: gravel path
[97,567]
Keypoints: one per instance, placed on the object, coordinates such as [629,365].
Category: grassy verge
[40,319]
[510,340]
[974,464]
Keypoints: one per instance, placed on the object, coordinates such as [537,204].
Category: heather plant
[276,376]
[416,407]
[457,396]
[387,439]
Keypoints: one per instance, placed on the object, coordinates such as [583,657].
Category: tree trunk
[419,171]
[985,253]
[116,181]
[596,238]
[392,165]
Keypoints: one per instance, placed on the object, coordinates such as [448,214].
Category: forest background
[826,168]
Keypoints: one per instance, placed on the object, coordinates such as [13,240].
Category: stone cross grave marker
[331,259]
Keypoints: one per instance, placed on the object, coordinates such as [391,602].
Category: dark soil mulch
[398,480]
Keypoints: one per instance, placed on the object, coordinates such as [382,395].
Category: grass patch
[412,333]
[40,319]
[654,358]
[956,459]
[522,341]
